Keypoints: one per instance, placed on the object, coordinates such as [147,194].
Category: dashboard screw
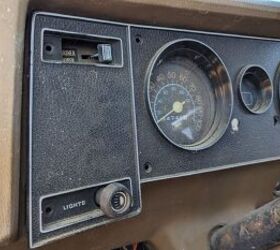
[148,167]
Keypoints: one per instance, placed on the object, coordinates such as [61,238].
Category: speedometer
[189,94]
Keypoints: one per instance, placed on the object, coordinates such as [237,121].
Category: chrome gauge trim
[223,96]
[277,83]
[267,91]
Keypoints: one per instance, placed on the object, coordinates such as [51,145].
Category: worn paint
[258,230]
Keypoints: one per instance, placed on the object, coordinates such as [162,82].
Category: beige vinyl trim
[12,20]
[218,15]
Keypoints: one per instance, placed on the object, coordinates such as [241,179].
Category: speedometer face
[182,101]
[184,97]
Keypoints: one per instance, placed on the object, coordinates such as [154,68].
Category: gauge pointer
[177,107]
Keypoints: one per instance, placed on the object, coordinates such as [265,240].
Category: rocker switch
[104,53]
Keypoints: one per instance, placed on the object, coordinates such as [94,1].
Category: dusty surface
[194,213]
[178,214]
[257,230]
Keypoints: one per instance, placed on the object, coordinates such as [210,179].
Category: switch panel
[77,48]
[71,207]
[82,127]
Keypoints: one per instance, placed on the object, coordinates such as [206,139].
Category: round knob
[114,200]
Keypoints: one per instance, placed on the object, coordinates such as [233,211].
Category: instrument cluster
[114,105]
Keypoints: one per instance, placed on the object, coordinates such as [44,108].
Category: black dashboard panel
[93,138]
[257,138]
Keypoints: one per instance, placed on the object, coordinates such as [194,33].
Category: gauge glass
[255,89]
[182,100]
[184,95]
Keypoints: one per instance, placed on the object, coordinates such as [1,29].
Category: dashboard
[113,105]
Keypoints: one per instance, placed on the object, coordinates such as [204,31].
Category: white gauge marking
[166,115]
[177,123]
[188,99]
[187,132]
[177,107]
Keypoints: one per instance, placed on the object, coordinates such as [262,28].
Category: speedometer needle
[177,107]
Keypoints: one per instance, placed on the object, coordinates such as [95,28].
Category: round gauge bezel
[277,82]
[266,104]
[223,93]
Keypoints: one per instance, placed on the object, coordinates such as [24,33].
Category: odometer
[189,94]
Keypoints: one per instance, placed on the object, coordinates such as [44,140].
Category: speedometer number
[182,95]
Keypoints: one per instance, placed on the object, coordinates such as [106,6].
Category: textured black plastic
[82,117]
[56,208]
[258,139]
[82,126]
